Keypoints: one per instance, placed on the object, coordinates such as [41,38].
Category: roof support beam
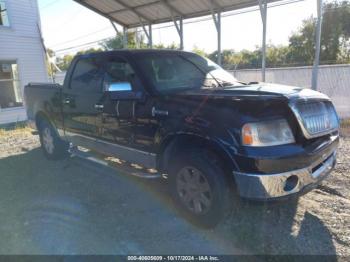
[317,46]
[127,7]
[150,38]
[125,37]
[178,24]
[82,2]
[263,13]
[217,21]
[114,26]
[148,33]
[164,2]
[180,30]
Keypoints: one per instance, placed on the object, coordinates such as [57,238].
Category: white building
[22,56]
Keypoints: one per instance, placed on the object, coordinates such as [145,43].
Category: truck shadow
[74,207]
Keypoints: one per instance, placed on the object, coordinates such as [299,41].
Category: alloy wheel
[194,190]
[48,141]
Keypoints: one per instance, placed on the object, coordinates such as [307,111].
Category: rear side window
[87,76]
[117,71]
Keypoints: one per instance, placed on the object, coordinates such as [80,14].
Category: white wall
[333,80]
[21,42]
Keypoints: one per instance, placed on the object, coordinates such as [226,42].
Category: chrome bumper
[269,186]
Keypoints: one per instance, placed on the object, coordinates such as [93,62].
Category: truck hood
[260,91]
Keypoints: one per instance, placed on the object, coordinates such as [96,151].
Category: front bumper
[274,186]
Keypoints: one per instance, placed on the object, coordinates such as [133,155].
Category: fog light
[291,183]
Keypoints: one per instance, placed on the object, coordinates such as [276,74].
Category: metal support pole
[179,29]
[150,40]
[263,13]
[219,37]
[125,38]
[137,39]
[114,26]
[181,34]
[217,21]
[148,33]
[317,46]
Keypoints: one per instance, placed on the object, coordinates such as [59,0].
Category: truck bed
[37,95]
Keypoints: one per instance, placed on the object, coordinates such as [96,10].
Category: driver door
[118,116]
[125,104]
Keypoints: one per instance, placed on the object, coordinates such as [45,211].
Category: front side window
[10,90]
[118,72]
[87,76]
[175,72]
[4,20]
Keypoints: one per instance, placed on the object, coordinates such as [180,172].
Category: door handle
[156,111]
[99,106]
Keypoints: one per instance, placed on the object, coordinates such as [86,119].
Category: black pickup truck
[185,117]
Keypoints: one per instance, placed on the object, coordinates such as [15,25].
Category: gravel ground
[73,207]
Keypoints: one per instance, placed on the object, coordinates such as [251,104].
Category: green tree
[336,32]
[50,68]
[89,51]
[199,51]
[118,41]
[172,46]
[302,44]
[277,56]
[249,59]
[335,45]
[64,62]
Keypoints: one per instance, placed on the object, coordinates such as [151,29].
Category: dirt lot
[74,207]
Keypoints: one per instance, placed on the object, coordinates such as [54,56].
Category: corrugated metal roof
[136,12]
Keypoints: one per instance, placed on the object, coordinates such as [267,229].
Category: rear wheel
[53,146]
[199,186]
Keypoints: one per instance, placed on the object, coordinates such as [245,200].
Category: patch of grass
[345,127]
[16,128]
[345,122]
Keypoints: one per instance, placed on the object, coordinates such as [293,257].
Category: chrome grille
[316,117]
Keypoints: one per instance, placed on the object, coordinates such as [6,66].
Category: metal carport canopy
[139,13]
[136,12]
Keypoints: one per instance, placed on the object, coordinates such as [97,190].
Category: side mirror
[122,91]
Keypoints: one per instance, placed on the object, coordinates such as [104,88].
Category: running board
[116,164]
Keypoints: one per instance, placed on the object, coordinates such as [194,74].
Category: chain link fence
[333,80]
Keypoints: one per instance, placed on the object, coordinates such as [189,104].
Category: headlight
[269,133]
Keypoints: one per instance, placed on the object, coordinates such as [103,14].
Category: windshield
[175,72]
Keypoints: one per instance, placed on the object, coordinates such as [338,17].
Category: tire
[200,187]
[53,146]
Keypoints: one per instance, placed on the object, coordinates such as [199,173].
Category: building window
[10,90]
[4,20]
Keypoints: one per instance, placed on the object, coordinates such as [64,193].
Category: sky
[67,27]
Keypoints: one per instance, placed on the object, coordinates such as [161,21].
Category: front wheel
[53,146]
[200,187]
